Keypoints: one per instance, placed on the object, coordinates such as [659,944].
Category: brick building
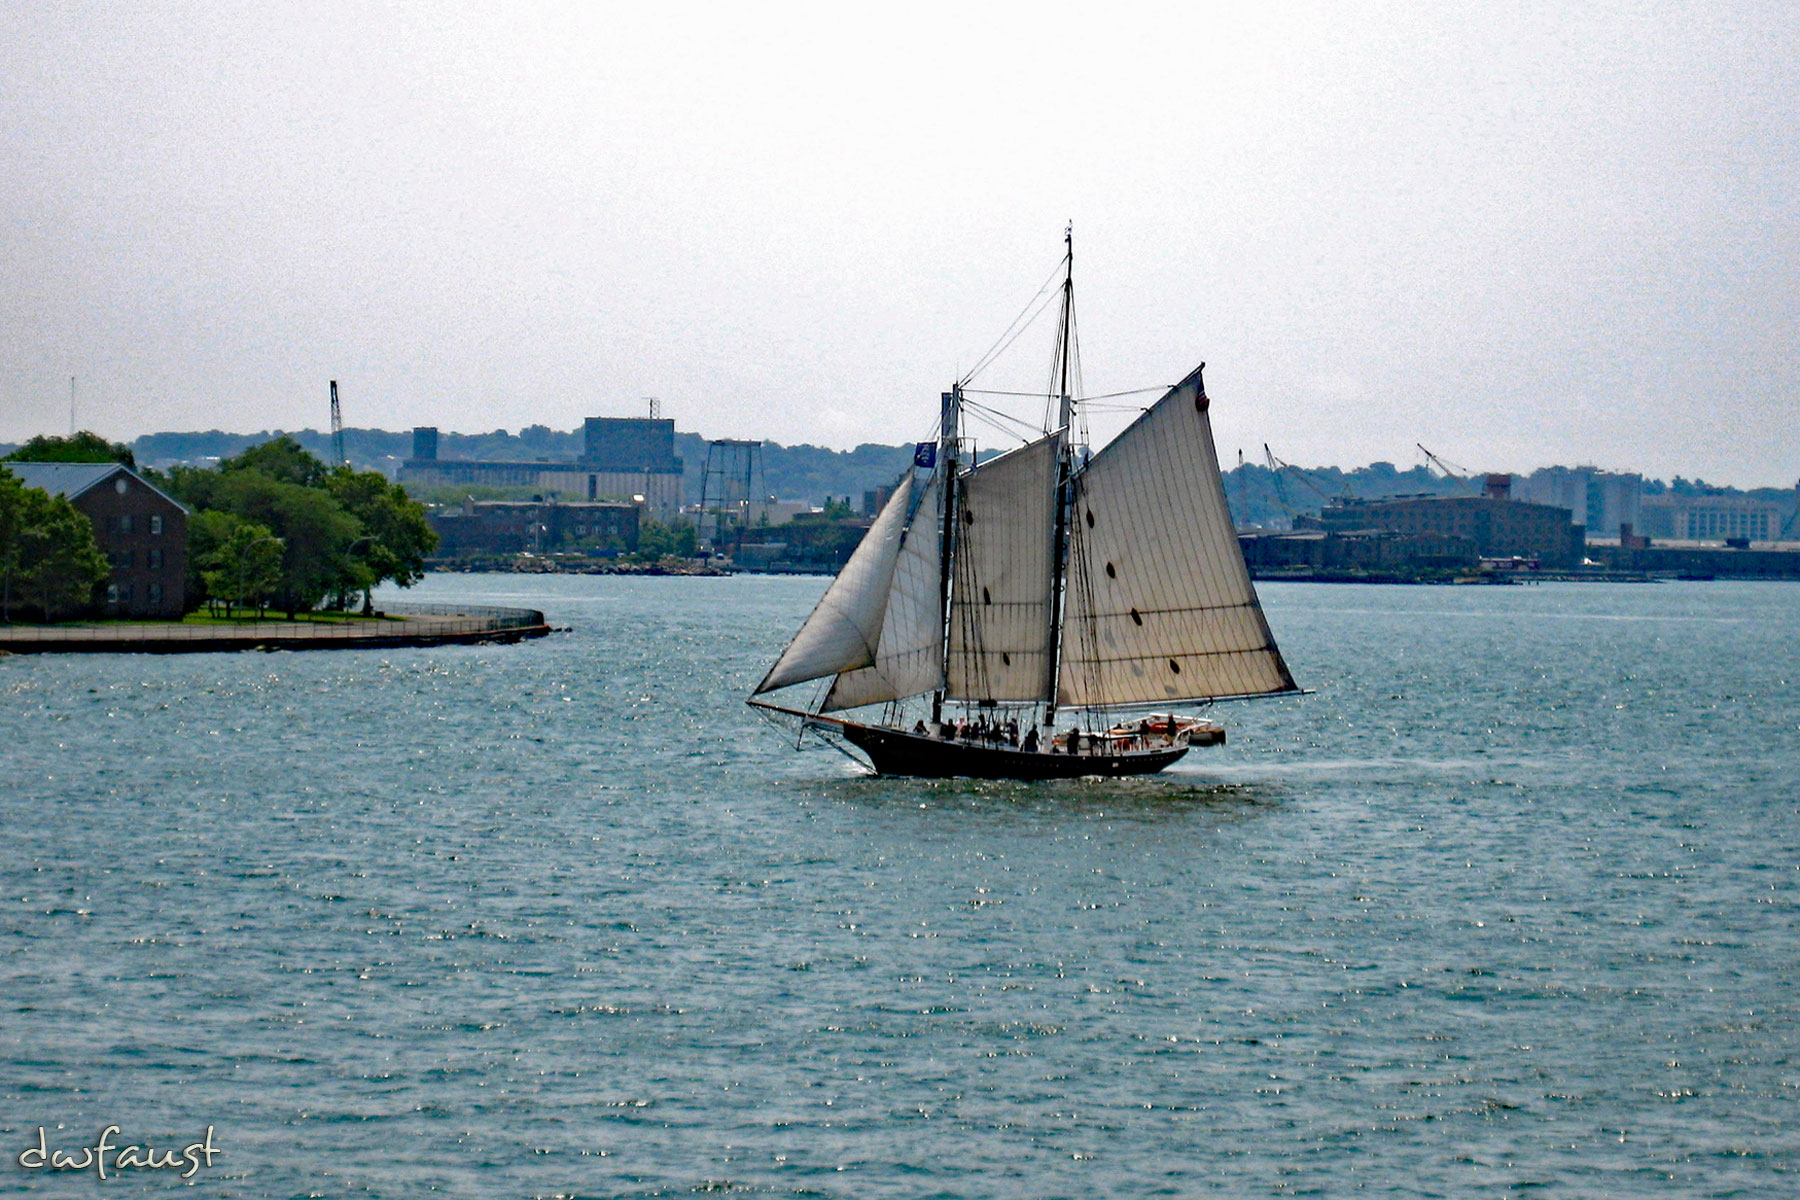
[515,526]
[1495,526]
[142,532]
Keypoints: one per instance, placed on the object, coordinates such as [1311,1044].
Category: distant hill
[808,473]
[814,474]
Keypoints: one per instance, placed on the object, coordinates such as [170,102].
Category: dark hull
[894,752]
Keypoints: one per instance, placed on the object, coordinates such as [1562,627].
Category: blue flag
[925,454]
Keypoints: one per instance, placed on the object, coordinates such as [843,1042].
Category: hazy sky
[1520,233]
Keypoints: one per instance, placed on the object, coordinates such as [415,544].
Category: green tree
[193,486]
[82,447]
[246,566]
[315,531]
[12,519]
[342,531]
[656,540]
[207,530]
[282,459]
[396,536]
[48,556]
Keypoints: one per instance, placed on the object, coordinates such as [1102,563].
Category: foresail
[1158,605]
[909,655]
[843,630]
[1000,607]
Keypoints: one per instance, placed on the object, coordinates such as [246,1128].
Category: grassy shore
[231,616]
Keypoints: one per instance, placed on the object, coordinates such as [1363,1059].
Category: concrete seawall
[404,625]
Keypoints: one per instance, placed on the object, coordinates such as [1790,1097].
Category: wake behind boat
[1037,583]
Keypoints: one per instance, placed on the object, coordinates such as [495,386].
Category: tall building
[1600,500]
[629,444]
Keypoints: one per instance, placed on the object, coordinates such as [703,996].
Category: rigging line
[1008,439]
[1020,323]
[987,362]
[1153,390]
[988,408]
[994,417]
[1143,391]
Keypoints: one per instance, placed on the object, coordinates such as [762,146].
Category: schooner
[1018,617]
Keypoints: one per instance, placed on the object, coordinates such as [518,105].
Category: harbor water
[1510,905]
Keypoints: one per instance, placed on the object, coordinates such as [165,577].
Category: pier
[397,625]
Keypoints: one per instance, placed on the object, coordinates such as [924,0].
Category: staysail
[909,654]
[1158,605]
[844,629]
[1001,608]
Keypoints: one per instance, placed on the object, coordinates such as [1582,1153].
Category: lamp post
[368,602]
[243,556]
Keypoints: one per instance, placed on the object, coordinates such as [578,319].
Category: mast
[947,431]
[1064,453]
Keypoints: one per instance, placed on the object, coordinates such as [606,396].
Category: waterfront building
[1496,527]
[624,459]
[536,527]
[1711,518]
[140,528]
[1274,553]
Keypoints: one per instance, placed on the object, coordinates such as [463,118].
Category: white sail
[843,630]
[909,655]
[1000,607]
[1157,603]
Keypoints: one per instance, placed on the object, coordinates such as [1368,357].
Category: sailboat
[1021,616]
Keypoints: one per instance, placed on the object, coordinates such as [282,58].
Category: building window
[125,523]
[112,593]
[154,593]
[120,560]
[155,558]
[156,523]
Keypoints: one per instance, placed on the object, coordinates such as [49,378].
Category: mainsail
[1001,606]
[1158,605]
[844,629]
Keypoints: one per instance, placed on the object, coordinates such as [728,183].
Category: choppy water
[1507,907]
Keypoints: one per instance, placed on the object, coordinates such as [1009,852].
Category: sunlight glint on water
[1510,902]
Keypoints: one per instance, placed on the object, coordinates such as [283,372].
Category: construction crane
[1460,474]
[337,430]
[1281,496]
[1238,517]
[1277,466]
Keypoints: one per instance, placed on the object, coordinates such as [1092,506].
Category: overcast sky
[1519,233]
